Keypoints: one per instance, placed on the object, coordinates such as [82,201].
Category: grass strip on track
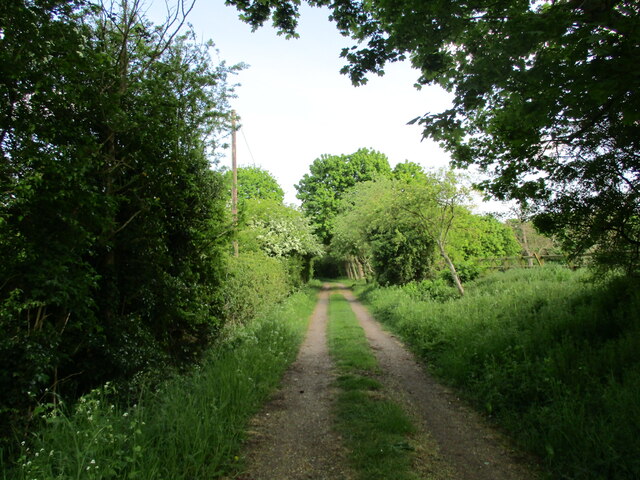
[375,429]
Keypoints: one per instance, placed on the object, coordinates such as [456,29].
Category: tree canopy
[546,98]
[396,228]
[330,176]
[111,219]
[257,183]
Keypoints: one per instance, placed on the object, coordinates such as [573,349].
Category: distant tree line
[398,225]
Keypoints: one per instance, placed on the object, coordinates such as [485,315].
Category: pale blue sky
[295,105]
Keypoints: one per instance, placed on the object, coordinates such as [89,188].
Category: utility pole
[234,184]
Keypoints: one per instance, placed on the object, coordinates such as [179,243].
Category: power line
[247,144]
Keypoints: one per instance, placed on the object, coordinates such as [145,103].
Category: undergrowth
[190,428]
[551,355]
[376,430]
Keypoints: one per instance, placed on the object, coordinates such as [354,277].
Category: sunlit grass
[551,356]
[190,429]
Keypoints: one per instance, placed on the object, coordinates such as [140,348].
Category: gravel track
[292,437]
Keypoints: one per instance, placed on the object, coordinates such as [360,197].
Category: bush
[437,290]
[191,428]
[255,282]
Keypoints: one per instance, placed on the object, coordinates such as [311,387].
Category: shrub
[255,282]
[437,289]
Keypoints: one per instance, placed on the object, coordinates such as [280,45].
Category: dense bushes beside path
[551,356]
[112,223]
[190,428]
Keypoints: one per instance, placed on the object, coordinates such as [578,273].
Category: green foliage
[545,99]
[477,236]
[408,172]
[401,253]
[397,227]
[282,232]
[169,434]
[437,289]
[474,237]
[278,230]
[254,283]
[111,220]
[330,177]
[370,230]
[255,183]
[552,358]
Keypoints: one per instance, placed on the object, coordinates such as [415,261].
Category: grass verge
[375,429]
[191,428]
[554,358]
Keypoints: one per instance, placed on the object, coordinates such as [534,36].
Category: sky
[294,105]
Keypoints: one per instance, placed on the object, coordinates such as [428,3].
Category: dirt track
[292,437]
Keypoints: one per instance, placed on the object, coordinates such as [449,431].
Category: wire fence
[535,261]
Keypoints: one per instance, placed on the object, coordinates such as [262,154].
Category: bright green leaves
[397,228]
[257,183]
[332,175]
[545,100]
[273,229]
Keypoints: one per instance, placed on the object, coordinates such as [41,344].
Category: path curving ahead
[292,437]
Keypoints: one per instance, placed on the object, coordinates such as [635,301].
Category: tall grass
[191,428]
[554,358]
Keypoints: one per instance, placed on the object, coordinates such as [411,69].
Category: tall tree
[395,226]
[257,183]
[109,212]
[374,238]
[435,203]
[330,176]
[546,98]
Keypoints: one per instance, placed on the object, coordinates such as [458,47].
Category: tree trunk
[360,269]
[525,244]
[348,267]
[452,268]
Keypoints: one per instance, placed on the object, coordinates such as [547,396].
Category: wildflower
[125,414]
